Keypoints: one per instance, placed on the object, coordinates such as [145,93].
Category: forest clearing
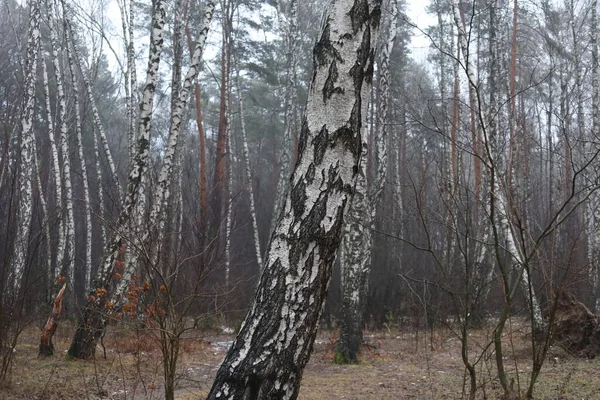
[395,364]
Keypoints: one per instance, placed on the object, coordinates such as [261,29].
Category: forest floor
[395,364]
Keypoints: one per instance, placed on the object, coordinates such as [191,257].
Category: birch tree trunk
[25,208]
[100,302]
[84,176]
[275,341]
[97,122]
[289,105]
[357,241]
[94,317]
[60,251]
[255,234]
[66,242]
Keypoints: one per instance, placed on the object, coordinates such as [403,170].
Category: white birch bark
[100,186]
[164,178]
[60,250]
[273,346]
[84,176]
[229,217]
[45,219]
[24,211]
[90,94]
[357,241]
[255,234]
[93,320]
[162,187]
[67,235]
[289,108]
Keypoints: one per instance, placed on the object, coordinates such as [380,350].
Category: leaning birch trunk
[358,230]
[66,242]
[94,318]
[24,211]
[275,341]
[290,102]
[60,251]
[46,348]
[84,176]
[163,183]
[45,219]
[97,122]
[248,175]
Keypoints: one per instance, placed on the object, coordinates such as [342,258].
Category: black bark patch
[359,14]
[302,140]
[348,138]
[298,198]
[324,51]
[329,88]
[320,145]
[310,173]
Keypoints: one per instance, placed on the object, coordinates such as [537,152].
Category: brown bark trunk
[221,157]
[46,345]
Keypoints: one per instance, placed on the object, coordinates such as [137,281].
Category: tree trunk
[202,155]
[25,209]
[275,341]
[358,231]
[79,144]
[66,242]
[46,346]
[249,184]
[217,212]
[57,180]
[94,318]
[289,107]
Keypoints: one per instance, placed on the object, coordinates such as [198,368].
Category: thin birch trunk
[60,250]
[276,338]
[25,208]
[84,176]
[67,235]
[255,234]
[289,105]
[357,241]
[229,212]
[163,183]
[97,121]
[100,186]
[45,219]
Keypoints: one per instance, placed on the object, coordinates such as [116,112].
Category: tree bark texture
[267,358]
[25,209]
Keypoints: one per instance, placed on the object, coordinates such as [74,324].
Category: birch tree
[25,208]
[94,319]
[276,338]
[101,301]
[358,230]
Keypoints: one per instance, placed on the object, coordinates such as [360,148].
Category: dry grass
[395,365]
